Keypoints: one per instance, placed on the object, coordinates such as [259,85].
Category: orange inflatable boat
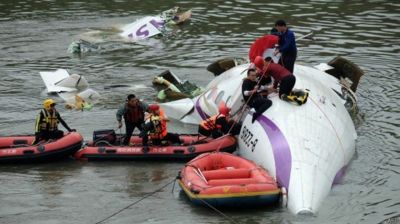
[192,146]
[225,180]
[16,149]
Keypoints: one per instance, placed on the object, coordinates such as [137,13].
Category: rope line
[218,211]
[137,201]
[243,109]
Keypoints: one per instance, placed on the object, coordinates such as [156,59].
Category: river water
[35,35]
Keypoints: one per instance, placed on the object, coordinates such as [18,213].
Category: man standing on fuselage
[287,45]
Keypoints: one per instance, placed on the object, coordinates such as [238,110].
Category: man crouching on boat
[156,124]
[217,125]
[46,125]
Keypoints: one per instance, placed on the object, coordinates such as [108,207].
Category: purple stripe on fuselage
[202,114]
[281,150]
[339,176]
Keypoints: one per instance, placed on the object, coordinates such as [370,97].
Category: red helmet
[259,62]
[154,107]
[223,109]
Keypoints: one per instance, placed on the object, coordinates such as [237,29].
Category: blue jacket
[287,42]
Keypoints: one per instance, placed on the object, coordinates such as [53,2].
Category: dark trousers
[216,133]
[171,137]
[234,127]
[265,80]
[260,104]
[47,135]
[286,85]
[288,59]
[174,138]
[204,131]
[130,127]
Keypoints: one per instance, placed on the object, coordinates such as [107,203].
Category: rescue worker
[156,126]
[251,92]
[133,113]
[217,125]
[46,125]
[287,45]
[282,77]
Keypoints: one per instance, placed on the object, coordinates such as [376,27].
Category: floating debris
[174,88]
[73,89]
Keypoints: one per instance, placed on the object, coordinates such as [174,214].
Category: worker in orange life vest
[156,126]
[217,125]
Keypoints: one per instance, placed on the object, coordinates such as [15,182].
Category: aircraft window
[209,95]
[227,100]
[219,97]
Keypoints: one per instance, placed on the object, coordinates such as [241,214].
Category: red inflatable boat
[192,146]
[226,180]
[15,149]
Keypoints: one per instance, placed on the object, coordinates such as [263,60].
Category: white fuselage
[142,28]
[305,147]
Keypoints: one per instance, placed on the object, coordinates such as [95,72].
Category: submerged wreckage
[142,28]
[306,148]
[173,88]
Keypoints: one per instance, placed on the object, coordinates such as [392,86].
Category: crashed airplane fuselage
[305,147]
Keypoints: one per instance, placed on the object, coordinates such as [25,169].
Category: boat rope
[173,185]
[198,172]
[135,202]
[332,126]
[218,211]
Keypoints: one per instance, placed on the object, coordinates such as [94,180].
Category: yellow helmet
[48,103]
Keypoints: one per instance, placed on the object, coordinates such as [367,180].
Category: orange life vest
[160,126]
[211,123]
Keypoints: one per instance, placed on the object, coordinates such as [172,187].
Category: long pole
[305,36]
